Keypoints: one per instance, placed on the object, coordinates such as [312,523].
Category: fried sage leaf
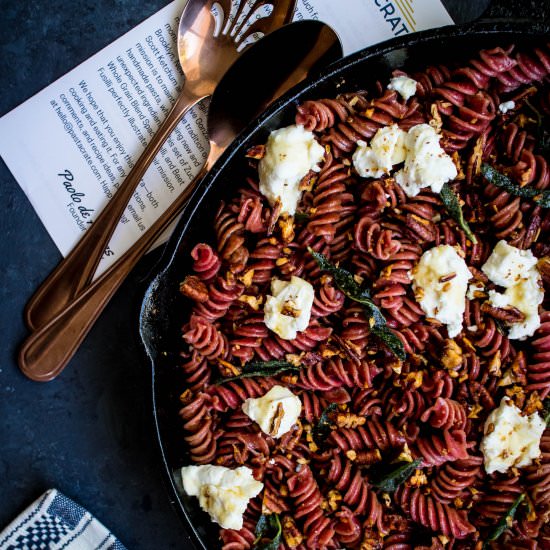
[542,198]
[322,429]
[268,532]
[390,339]
[349,286]
[452,204]
[301,217]
[506,521]
[261,368]
[344,279]
[390,481]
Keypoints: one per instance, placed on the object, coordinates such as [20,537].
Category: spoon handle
[46,352]
[76,270]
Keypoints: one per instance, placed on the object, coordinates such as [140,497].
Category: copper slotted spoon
[211,35]
[305,47]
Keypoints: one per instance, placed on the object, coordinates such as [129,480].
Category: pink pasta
[377,395]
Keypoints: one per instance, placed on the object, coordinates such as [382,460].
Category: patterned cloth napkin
[55,522]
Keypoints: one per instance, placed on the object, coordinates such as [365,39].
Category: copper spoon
[206,51]
[261,75]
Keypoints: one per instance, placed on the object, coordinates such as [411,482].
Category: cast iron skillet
[163,309]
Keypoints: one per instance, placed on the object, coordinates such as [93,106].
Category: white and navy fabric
[55,522]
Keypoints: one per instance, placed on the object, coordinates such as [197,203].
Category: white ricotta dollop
[516,271]
[427,164]
[510,439]
[403,85]
[288,310]
[290,153]
[275,412]
[387,148]
[508,265]
[222,492]
[440,280]
[506,106]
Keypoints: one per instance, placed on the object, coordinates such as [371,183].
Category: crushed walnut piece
[286,225]
[370,541]
[452,355]
[457,161]
[435,122]
[256,152]
[508,378]
[294,358]
[276,420]
[351,455]
[289,309]
[526,177]
[366,458]
[313,447]
[396,366]
[533,404]
[289,379]
[531,512]
[291,533]
[474,411]
[468,343]
[495,364]
[349,420]
[519,368]
[227,369]
[247,278]
[334,498]
[418,479]
[415,378]
[517,395]
[253,301]
[508,314]
[274,216]
[194,288]
[387,499]
[186,396]
[405,455]
[477,154]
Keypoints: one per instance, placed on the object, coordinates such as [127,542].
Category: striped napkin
[55,522]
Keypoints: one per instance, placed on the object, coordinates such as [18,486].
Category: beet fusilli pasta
[325,301]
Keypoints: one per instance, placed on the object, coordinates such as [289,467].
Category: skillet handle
[46,352]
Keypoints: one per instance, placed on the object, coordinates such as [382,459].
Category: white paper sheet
[70,145]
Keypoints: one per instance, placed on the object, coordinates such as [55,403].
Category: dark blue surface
[88,433]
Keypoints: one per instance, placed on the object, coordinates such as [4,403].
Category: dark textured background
[88,433]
